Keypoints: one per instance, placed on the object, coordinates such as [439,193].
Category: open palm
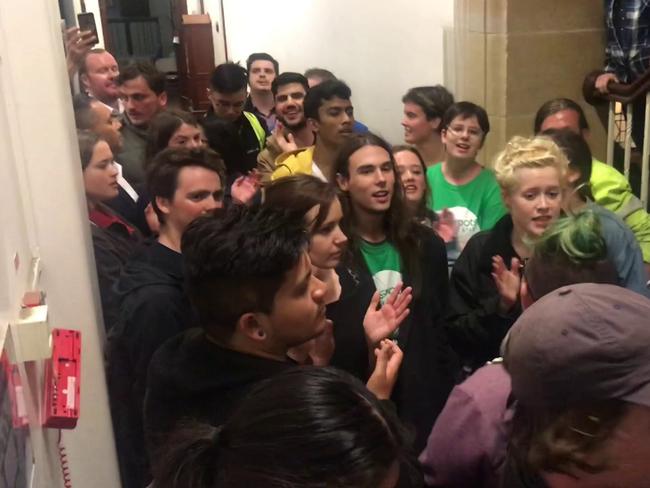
[381,321]
[507,281]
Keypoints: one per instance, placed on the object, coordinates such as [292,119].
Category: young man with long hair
[388,247]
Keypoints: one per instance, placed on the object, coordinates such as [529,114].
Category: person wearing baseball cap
[468,443]
[579,363]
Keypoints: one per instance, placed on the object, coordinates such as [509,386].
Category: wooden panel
[199,59]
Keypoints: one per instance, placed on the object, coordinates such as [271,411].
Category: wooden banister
[618,92]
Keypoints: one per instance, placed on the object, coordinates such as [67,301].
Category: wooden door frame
[103,12]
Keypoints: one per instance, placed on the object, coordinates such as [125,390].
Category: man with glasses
[238,136]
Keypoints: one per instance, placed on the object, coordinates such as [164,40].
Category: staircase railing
[626,94]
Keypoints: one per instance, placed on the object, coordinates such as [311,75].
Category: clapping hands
[507,281]
[380,322]
[388,361]
[244,188]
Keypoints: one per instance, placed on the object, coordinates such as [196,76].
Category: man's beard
[293,127]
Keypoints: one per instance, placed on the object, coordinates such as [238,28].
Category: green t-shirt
[476,205]
[384,264]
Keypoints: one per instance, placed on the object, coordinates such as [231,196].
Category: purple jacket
[467,445]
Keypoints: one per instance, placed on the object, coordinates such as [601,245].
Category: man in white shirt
[98,72]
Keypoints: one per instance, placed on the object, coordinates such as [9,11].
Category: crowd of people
[289,300]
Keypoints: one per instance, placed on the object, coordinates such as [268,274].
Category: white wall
[379,47]
[193,7]
[40,160]
[92,6]
[213,9]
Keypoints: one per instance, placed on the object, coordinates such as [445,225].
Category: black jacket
[132,211]
[191,377]
[153,308]
[236,142]
[113,247]
[429,367]
[474,325]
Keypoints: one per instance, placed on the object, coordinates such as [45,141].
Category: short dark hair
[236,260]
[84,116]
[323,92]
[558,105]
[433,100]
[229,78]
[286,78]
[154,78]
[322,73]
[162,128]
[321,426]
[262,57]
[87,141]
[465,110]
[579,155]
[300,193]
[162,172]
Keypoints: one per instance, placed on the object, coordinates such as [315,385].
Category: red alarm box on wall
[62,380]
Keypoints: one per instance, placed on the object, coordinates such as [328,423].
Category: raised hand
[389,359]
[244,188]
[323,346]
[77,45]
[380,322]
[317,351]
[507,281]
[286,141]
[446,225]
[603,81]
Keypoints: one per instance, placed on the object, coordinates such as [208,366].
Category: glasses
[460,131]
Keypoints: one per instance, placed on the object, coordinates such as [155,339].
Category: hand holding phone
[87,25]
[77,45]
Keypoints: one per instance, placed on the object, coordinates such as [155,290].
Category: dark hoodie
[429,368]
[474,325]
[153,308]
[236,142]
[191,377]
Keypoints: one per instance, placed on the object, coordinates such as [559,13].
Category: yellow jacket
[612,191]
[294,162]
[266,159]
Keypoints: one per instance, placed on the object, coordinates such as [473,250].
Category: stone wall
[512,55]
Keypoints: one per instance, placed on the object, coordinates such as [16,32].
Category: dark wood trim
[103,11]
[618,92]
[223,29]
[179,8]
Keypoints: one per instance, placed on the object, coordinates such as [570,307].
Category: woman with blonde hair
[485,281]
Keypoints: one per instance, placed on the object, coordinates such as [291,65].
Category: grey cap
[579,343]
